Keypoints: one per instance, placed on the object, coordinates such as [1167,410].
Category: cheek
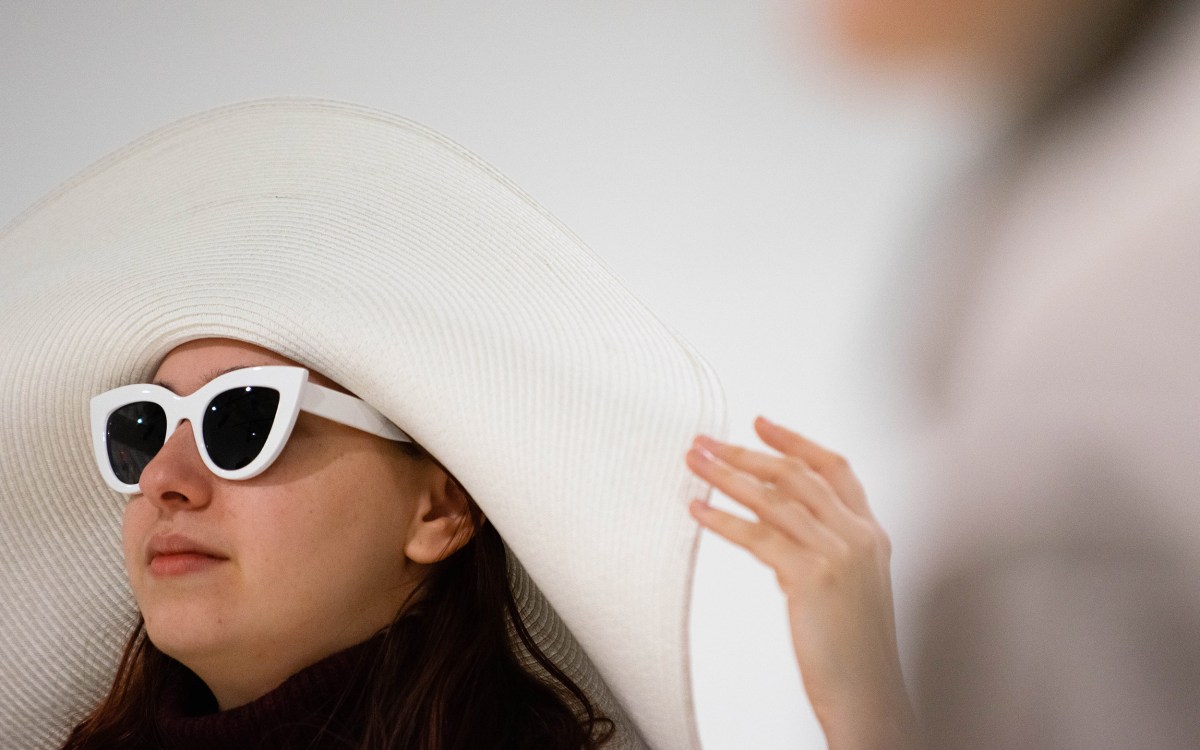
[319,539]
[358,500]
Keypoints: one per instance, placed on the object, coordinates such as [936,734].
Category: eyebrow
[208,376]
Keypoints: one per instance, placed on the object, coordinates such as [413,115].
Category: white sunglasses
[241,421]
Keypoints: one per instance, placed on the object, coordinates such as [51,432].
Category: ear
[442,523]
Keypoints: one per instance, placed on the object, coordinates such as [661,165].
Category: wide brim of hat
[397,263]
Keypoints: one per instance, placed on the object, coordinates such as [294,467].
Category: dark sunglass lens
[134,435]
[237,423]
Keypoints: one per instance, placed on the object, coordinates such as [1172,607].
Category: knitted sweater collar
[313,709]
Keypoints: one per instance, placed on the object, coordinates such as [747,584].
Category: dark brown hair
[450,678]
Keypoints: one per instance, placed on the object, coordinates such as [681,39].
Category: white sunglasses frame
[296,394]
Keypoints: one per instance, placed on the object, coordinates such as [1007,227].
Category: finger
[787,515]
[772,548]
[736,484]
[792,475]
[832,466]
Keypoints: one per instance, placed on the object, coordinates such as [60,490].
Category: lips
[176,554]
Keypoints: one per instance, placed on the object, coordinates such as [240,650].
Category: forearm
[880,717]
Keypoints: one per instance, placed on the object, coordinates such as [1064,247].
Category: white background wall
[710,152]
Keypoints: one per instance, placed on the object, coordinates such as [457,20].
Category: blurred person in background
[1054,348]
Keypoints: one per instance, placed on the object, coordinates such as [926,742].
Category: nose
[176,478]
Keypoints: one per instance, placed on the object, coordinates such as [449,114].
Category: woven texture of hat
[395,262]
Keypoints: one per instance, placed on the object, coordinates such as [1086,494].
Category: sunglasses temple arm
[348,410]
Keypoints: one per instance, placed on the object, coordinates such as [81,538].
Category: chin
[187,633]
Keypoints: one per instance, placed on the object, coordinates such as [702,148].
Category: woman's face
[312,556]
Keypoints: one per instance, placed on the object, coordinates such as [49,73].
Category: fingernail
[698,508]
[699,454]
[704,441]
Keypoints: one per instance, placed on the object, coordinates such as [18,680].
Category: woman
[245,547]
[1055,356]
[338,566]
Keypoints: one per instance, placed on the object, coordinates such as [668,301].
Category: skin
[832,561]
[1017,45]
[320,550]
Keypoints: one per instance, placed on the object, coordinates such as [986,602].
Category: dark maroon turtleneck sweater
[312,709]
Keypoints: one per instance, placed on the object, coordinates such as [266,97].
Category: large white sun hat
[395,262]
